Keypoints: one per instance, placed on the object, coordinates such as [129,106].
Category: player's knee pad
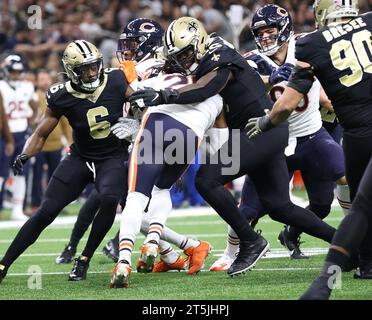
[320,210]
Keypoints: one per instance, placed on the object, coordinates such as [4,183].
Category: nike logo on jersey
[157,96]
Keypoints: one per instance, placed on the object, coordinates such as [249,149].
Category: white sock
[168,255]
[130,223]
[159,210]
[232,243]
[343,197]
[19,193]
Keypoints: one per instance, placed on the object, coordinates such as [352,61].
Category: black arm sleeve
[301,79]
[201,91]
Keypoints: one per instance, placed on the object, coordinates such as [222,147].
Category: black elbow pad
[301,79]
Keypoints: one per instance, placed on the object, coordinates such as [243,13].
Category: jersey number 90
[353,55]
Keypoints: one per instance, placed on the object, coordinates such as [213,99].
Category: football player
[20,105]
[219,68]
[338,54]
[92,100]
[139,43]
[310,148]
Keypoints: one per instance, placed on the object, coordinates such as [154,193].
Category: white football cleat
[223,263]
[120,275]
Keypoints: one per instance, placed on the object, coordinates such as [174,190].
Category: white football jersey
[306,119]
[16,103]
[197,116]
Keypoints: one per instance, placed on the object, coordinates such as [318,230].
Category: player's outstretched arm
[35,143]
[299,84]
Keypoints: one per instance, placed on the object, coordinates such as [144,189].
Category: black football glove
[150,97]
[19,162]
[256,126]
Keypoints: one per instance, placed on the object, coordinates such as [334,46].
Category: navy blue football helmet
[272,15]
[13,63]
[139,39]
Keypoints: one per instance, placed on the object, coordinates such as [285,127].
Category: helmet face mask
[139,39]
[83,64]
[184,61]
[272,16]
[326,11]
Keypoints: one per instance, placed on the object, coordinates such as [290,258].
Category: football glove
[125,128]
[264,68]
[256,126]
[19,163]
[281,74]
[150,97]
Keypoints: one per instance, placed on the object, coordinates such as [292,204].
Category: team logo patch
[192,27]
[215,57]
[147,27]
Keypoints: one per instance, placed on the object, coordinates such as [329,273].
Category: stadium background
[101,22]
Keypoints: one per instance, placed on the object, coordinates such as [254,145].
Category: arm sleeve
[206,87]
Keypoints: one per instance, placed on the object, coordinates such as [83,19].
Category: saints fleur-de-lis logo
[192,26]
[215,57]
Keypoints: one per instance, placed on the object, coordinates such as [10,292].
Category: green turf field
[273,278]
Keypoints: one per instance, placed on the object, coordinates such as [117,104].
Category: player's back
[341,55]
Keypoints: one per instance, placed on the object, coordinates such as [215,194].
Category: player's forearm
[285,105]
[206,87]
[34,144]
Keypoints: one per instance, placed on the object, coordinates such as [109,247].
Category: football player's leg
[348,238]
[272,185]
[67,183]
[110,184]
[83,221]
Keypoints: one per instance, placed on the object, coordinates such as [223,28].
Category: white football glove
[125,128]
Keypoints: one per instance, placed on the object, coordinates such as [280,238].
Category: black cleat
[318,290]
[293,246]
[3,272]
[67,255]
[79,270]
[249,253]
[364,271]
[111,249]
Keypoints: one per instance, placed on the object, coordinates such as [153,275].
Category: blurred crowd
[101,21]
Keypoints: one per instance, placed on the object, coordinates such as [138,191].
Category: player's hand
[264,68]
[19,163]
[150,97]
[281,74]
[129,69]
[125,128]
[256,126]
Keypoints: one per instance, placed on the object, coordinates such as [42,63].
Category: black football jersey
[341,56]
[92,114]
[245,96]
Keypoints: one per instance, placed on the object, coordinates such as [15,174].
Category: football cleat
[249,253]
[197,256]
[149,252]
[79,270]
[111,249]
[2,272]
[318,290]
[293,246]
[120,275]
[223,263]
[179,265]
[364,271]
[67,255]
